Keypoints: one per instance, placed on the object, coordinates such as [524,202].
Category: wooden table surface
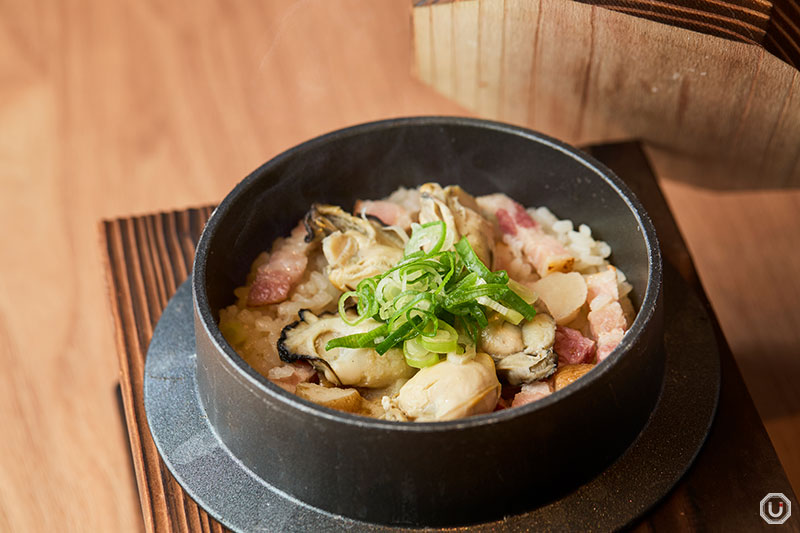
[114,108]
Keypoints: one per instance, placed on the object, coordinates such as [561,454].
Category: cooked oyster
[539,334]
[460,213]
[501,338]
[522,368]
[450,390]
[356,367]
[522,354]
[355,248]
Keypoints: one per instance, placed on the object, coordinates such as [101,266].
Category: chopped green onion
[342,311]
[512,300]
[480,317]
[522,291]
[431,235]
[471,260]
[368,338]
[510,315]
[467,295]
[444,340]
[348,341]
[437,296]
[413,348]
[417,356]
[395,337]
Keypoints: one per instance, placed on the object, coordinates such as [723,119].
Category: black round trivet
[644,474]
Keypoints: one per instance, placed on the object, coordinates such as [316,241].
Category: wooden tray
[149,256]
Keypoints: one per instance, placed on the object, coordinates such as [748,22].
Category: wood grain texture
[743,20]
[766,23]
[148,258]
[736,462]
[113,108]
[783,31]
[587,74]
[753,294]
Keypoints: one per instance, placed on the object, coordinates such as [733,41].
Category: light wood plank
[587,74]
[112,108]
[490,56]
[754,291]
[465,32]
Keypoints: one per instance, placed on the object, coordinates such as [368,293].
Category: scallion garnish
[433,301]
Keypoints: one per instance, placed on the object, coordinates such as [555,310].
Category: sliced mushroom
[356,367]
[348,400]
[450,390]
[568,374]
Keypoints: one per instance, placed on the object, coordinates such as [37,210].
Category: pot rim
[250,378]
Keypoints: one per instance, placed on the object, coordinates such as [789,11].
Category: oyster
[354,367]
[523,354]
[461,214]
[539,333]
[522,368]
[450,390]
[355,248]
[501,338]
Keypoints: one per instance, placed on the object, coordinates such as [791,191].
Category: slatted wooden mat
[149,256]
[148,259]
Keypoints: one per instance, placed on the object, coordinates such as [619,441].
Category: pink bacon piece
[607,341]
[530,392]
[390,213]
[572,347]
[288,376]
[502,403]
[522,233]
[606,317]
[275,279]
[602,288]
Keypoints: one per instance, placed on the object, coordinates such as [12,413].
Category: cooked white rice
[590,255]
[254,332]
[257,344]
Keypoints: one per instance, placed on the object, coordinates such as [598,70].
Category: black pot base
[644,474]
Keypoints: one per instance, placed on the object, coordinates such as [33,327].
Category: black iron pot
[442,473]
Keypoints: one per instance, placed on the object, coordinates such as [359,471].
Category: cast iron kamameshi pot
[441,473]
